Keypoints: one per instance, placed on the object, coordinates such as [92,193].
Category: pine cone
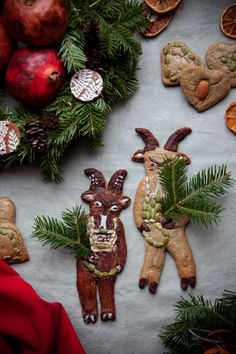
[91,32]
[96,57]
[50,120]
[36,135]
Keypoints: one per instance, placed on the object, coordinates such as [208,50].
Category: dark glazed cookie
[222,56]
[202,87]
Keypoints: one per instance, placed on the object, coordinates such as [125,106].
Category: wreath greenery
[100,36]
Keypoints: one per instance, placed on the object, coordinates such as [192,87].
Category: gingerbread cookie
[202,87]
[222,56]
[106,233]
[160,234]
[174,56]
[12,248]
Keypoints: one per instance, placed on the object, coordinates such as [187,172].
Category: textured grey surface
[140,315]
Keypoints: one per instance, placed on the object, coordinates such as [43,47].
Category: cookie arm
[138,202]
[121,246]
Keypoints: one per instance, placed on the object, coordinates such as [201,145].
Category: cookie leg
[86,286]
[106,295]
[154,274]
[152,267]
[180,250]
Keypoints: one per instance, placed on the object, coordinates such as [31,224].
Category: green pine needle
[200,314]
[71,51]
[193,198]
[71,233]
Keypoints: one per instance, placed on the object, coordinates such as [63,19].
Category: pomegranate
[6,46]
[36,23]
[34,76]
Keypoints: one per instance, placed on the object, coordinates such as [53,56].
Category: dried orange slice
[230,117]
[216,351]
[158,22]
[228,21]
[162,6]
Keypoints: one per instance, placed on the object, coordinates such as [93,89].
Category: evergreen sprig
[116,22]
[195,197]
[70,233]
[199,314]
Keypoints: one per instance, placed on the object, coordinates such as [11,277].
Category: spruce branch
[199,314]
[71,233]
[193,198]
[71,51]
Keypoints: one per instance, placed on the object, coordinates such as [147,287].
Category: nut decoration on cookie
[12,247]
[97,239]
[165,202]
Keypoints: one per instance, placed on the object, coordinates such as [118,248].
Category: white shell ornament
[9,137]
[86,85]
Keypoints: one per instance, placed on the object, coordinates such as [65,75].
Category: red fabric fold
[29,324]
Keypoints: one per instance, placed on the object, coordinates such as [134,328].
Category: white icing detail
[121,177]
[103,221]
[118,267]
[98,204]
[114,208]
[110,315]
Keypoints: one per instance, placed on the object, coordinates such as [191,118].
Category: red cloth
[29,324]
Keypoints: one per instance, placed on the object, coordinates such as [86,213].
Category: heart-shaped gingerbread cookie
[222,56]
[203,87]
[174,56]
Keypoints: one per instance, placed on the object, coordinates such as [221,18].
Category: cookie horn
[97,179]
[151,143]
[116,182]
[175,138]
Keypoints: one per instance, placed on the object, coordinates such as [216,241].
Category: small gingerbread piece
[12,248]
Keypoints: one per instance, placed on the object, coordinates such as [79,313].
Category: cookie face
[222,56]
[174,56]
[202,87]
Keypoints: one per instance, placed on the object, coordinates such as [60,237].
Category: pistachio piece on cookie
[202,87]
[222,56]
[174,56]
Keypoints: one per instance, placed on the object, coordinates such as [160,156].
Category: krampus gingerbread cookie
[98,271]
[12,248]
[160,234]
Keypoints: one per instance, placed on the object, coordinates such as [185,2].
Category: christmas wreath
[100,37]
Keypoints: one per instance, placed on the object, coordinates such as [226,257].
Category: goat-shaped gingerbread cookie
[160,234]
[108,245]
